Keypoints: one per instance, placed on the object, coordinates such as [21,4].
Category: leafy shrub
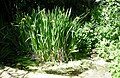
[107,27]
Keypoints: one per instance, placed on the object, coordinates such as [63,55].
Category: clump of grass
[51,35]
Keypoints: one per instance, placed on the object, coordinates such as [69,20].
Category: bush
[107,27]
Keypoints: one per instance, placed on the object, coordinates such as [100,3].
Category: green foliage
[71,39]
[22,62]
[52,36]
[107,30]
[7,44]
[78,6]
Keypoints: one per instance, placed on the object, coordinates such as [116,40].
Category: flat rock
[5,75]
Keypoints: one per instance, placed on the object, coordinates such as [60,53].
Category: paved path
[98,70]
[8,72]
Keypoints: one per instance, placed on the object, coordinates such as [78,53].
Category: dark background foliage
[9,41]
[9,8]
